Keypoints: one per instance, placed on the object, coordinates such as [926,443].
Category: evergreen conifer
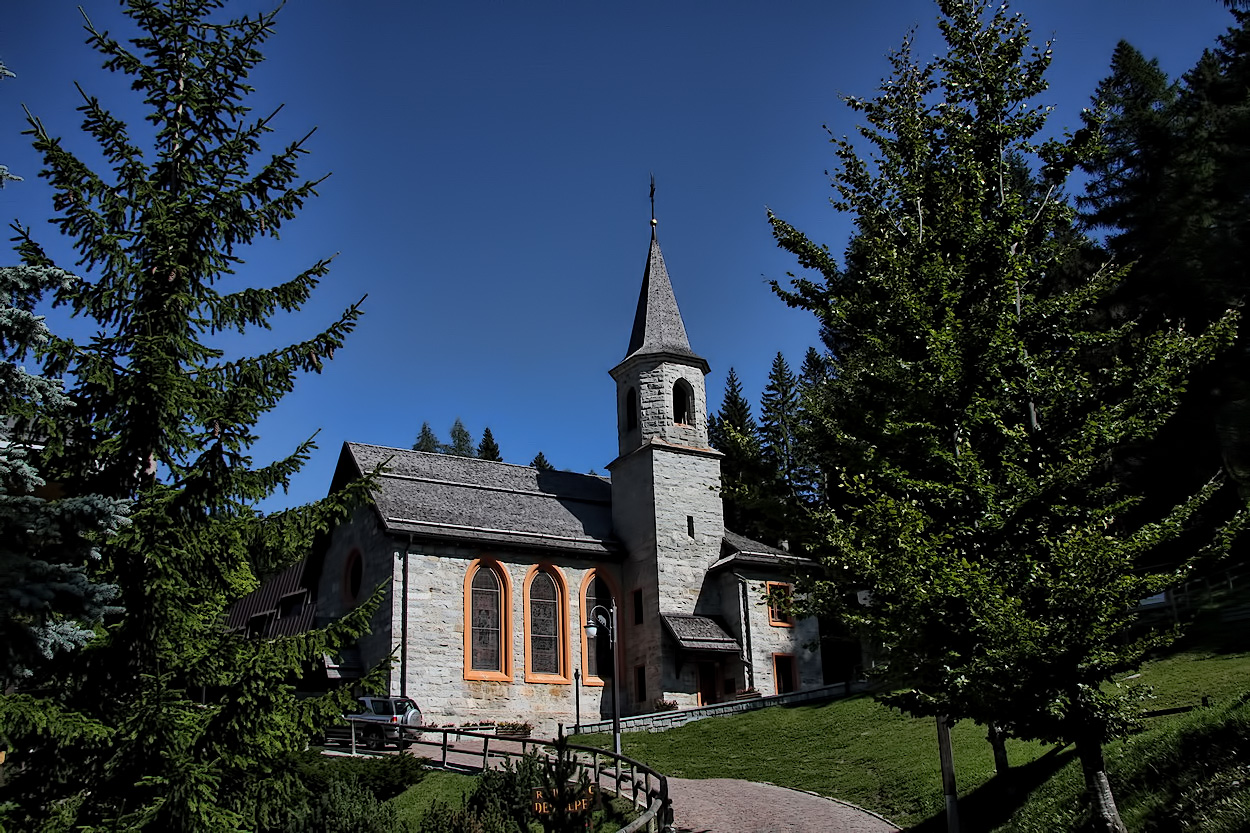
[976,398]
[201,722]
[427,440]
[488,449]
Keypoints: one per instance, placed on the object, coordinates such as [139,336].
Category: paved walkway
[716,805]
[726,805]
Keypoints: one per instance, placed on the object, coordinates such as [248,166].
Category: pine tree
[488,449]
[202,723]
[540,462]
[427,440]
[779,424]
[48,601]
[976,398]
[1167,189]
[746,482]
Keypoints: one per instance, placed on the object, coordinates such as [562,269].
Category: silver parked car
[379,720]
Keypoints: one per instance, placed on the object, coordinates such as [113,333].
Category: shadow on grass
[994,802]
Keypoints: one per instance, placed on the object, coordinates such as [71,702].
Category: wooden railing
[634,781]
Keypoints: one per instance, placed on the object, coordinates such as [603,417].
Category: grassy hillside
[859,751]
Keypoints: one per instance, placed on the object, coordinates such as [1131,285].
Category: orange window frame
[794,674]
[504,672]
[562,626]
[777,617]
[591,575]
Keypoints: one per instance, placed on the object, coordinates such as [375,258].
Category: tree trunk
[947,758]
[1106,817]
[998,741]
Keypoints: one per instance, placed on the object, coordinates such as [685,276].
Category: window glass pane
[598,649]
[485,618]
[544,625]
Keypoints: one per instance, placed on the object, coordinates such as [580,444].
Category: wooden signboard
[581,802]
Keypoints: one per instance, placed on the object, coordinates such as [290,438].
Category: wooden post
[948,775]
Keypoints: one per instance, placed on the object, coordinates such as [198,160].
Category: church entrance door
[709,683]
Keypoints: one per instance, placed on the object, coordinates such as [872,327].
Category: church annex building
[492,569]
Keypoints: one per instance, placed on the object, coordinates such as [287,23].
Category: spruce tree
[49,603]
[488,449]
[1167,190]
[746,482]
[779,424]
[427,440]
[461,441]
[977,400]
[540,462]
[202,723]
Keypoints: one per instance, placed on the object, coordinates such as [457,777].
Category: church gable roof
[698,633]
[464,499]
[658,327]
[739,550]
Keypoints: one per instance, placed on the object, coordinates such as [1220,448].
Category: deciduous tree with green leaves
[461,441]
[201,722]
[977,403]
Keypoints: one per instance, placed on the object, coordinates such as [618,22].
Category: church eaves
[658,328]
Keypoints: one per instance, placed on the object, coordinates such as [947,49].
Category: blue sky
[489,188]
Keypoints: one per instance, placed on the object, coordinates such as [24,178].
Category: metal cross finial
[653,200]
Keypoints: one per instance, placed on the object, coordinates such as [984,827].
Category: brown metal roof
[698,633]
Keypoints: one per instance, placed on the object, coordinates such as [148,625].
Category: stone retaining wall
[661,721]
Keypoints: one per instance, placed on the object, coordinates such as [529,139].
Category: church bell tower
[666,503]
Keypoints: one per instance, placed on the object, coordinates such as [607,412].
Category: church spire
[658,328]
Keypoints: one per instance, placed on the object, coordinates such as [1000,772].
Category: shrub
[385,776]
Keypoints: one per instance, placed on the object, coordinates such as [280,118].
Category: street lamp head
[592,629]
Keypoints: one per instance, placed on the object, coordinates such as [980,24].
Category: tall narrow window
[544,623]
[598,649]
[683,403]
[631,409]
[487,623]
[546,645]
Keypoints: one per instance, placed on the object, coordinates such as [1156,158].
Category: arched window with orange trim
[596,651]
[487,625]
[546,626]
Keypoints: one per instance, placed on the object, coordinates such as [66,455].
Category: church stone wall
[768,640]
[654,383]
[434,675]
[364,535]
[687,486]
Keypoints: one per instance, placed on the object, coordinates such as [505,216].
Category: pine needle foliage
[201,722]
[977,400]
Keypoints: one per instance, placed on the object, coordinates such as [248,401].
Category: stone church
[492,570]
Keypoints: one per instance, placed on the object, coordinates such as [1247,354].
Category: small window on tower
[631,409]
[690,525]
[683,403]
[638,607]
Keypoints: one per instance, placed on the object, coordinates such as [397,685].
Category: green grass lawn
[860,751]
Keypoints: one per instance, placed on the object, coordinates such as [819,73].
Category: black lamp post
[605,618]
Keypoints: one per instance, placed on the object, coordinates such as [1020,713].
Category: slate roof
[284,602]
[658,328]
[698,633]
[466,499]
[738,550]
